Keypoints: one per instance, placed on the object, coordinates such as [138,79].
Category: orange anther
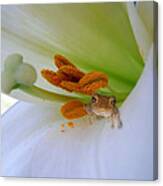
[51,77]
[61,61]
[73,110]
[72,72]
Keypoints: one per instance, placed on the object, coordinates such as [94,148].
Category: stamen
[90,89]
[60,61]
[51,77]
[63,76]
[72,72]
[70,78]
[73,110]
[70,86]
[93,77]
[19,75]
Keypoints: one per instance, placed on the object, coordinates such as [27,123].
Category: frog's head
[100,101]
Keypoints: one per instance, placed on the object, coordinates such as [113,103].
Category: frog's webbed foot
[120,124]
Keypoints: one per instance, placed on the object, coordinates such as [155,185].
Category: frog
[104,107]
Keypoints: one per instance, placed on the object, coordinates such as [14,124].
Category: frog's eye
[94,99]
[112,100]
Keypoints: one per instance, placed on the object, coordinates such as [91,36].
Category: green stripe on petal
[94,36]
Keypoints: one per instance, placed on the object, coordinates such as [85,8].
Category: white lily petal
[140,24]
[96,151]
[146,11]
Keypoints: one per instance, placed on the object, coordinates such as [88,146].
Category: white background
[47,182]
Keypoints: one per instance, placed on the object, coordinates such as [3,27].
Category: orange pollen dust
[70,124]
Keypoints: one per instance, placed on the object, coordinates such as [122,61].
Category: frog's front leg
[91,115]
[116,121]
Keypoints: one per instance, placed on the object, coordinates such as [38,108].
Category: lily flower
[111,38]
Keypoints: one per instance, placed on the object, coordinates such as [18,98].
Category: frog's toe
[112,126]
[120,125]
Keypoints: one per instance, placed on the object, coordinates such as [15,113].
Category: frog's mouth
[102,112]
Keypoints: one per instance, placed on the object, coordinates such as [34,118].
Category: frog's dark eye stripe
[113,100]
[94,99]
